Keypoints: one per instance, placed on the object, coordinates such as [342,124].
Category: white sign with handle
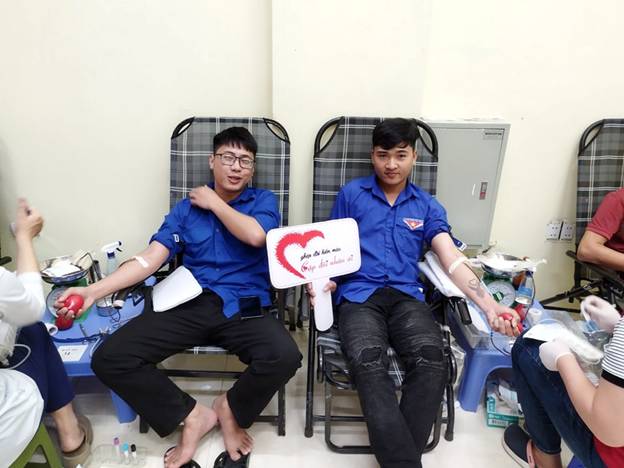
[313,253]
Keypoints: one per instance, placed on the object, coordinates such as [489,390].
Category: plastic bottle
[526,290]
[111,259]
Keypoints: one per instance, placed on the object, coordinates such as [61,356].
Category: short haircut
[235,136]
[395,132]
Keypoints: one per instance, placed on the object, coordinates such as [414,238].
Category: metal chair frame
[333,373]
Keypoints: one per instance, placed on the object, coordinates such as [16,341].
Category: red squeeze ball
[73,303]
[508,316]
[63,322]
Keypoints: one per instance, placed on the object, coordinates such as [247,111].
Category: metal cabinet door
[470,161]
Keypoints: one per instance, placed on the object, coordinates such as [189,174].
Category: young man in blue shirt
[220,232]
[382,304]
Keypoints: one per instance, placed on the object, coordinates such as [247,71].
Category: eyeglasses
[227,159]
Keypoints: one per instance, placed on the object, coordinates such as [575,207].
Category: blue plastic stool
[125,413]
[479,363]
[575,463]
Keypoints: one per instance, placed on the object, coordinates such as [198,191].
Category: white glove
[601,312]
[551,351]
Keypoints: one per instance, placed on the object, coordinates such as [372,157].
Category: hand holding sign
[313,253]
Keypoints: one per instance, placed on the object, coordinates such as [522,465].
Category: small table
[92,324]
[480,361]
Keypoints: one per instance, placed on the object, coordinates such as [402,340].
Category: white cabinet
[471,154]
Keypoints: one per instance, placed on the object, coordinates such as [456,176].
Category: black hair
[395,132]
[235,136]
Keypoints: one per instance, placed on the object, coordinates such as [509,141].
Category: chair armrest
[600,270]
[4,260]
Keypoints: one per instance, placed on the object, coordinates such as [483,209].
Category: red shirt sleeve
[609,215]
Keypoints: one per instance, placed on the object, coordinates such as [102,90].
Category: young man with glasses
[382,304]
[220,231]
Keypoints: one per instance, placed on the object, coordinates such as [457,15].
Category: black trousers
[126,362]
[398,432]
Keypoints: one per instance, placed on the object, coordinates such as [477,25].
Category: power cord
[28,353]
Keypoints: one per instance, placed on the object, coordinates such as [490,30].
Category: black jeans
[126,362]
[398,432]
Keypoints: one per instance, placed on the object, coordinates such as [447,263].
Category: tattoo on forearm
[475,285]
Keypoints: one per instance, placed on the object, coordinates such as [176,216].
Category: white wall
[90,91]
[352,57]
[548,68]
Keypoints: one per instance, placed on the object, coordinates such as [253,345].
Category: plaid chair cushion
[205,350]
[192,144]
[600,168]
[346,156]
[329,345]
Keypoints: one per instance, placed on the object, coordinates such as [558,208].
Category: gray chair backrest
[191,145]
[600,168]
[346,155]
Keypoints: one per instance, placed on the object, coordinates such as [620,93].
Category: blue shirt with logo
[218,260]
[391,237]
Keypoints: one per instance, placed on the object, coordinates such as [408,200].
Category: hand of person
[551,351]
[203,197]
[86,295]
[504,320]
[28,221]
[330,286]
[601,312]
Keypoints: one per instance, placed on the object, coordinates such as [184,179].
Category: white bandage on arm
[458,261]
[141,261]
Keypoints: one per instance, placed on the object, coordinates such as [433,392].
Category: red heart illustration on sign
[294,238]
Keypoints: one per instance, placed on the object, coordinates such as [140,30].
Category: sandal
[79,456]
[189,464]
[224,461]
[85,425]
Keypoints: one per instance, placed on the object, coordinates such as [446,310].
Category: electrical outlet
[553,230]
[567,231]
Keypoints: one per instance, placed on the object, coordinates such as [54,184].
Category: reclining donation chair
[600,171]
[191,144]
[341,153]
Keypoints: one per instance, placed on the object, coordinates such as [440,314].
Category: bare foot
[236,440]
[69,432]
[71,439]
[197,424]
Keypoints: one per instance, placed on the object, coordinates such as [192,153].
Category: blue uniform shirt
[218,260]
[391,237]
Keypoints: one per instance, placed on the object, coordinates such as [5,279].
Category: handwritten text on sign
[300,254]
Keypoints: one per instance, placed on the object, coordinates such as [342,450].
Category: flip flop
[189,464]
[224,461]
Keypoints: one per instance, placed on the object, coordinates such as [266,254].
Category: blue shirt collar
[371,183]
[246,195]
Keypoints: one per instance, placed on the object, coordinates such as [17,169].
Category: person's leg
[416,337]
[45,367]
[272,357]
[21,407]
[549,413]
[126,362]
[364,338]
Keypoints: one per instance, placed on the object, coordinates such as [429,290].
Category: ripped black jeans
[398,432]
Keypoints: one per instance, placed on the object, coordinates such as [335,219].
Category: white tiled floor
[475,444]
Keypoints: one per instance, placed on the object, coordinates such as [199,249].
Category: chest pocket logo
[413,223]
